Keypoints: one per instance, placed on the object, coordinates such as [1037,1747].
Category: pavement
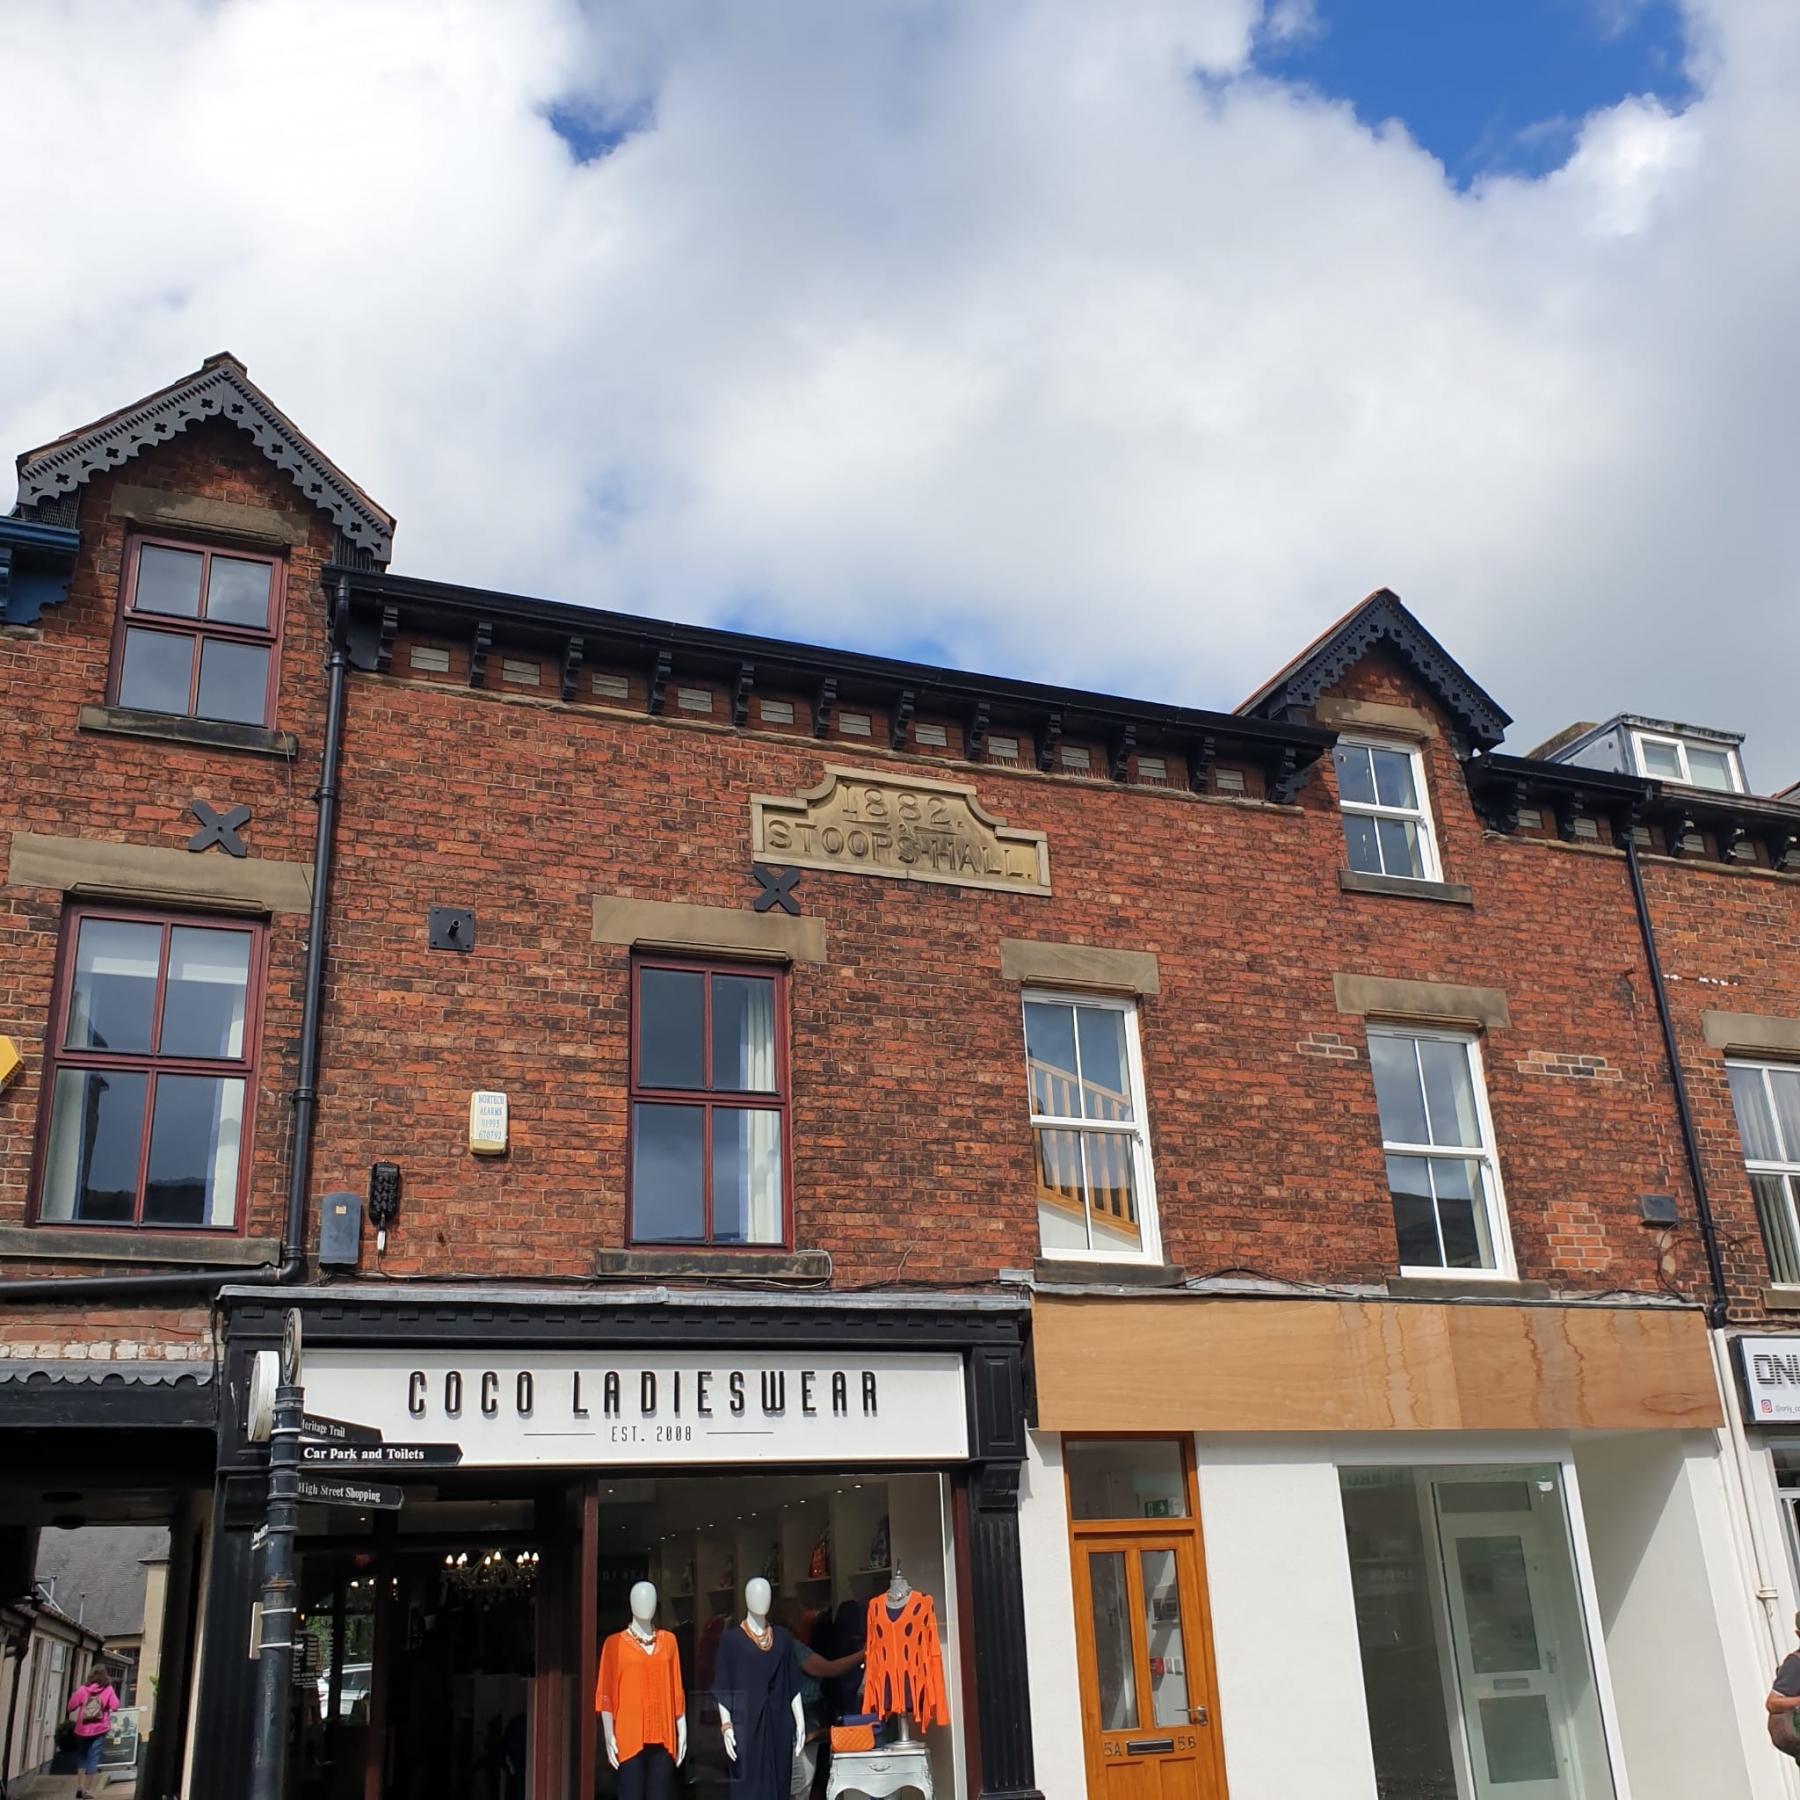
[120,1786]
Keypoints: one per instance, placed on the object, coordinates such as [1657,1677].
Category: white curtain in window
[759,1037]
[228,1131]
[62,1167]
[763,1174]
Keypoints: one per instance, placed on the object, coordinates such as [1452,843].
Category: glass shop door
[1137,1603]
[1528,1699]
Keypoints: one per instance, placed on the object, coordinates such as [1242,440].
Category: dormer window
[1693,764]
[198,630]
[1387,823]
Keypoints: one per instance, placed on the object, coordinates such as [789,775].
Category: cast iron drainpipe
[1709,1236]
[305,1096]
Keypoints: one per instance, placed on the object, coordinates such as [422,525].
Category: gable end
[1381,619]
[220,390]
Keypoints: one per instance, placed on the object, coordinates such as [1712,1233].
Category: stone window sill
[1450,893]
[87,1243]
[1071,1272]
[713,1265]
[208,734]
[1781,1299]
[1424,1287]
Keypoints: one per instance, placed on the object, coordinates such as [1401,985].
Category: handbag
[857,1732]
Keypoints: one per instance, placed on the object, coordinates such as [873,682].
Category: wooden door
[1146,1692]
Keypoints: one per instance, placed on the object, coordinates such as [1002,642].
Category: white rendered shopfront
[1451,1552]
[1613,1634]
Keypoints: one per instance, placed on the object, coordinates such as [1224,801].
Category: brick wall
[62,780]
[912,1154]
[1729,938]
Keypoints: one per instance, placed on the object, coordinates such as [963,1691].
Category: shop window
[1085,1080]
[150,1090]
[1439,1144]
[708,1105]
[1474,1639]
[1767,1098]
[1387,823]
[198,632]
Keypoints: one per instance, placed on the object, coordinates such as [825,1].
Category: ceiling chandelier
[492,1572]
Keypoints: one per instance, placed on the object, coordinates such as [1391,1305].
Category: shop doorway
[417,1642]
[1475,1653]
[1524,1685]
[1149,1706]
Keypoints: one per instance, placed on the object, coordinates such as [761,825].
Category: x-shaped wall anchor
[777,889]
[219,828]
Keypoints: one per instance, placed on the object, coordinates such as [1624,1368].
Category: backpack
[93,1709]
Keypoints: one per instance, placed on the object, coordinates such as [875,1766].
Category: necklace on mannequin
[763,1639]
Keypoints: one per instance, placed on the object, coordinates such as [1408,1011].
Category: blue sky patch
[592,133]
[1487,86]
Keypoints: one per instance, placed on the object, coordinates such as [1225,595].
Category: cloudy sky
[1125,345]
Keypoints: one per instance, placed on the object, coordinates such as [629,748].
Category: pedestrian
[91,1709]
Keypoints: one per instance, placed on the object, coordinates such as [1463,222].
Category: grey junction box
[340,1231]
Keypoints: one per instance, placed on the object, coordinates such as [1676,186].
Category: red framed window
[709,1104]
[149,1096]
[199,630]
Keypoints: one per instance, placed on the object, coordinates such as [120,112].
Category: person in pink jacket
[91,1708]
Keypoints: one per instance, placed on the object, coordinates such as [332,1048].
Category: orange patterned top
[642,1690]
[905,1668]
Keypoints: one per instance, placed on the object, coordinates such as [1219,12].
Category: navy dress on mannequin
[757,1687]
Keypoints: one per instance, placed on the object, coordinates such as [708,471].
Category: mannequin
[757,1687]
[641,1703]
[757,1600]
[905,1672]
[899,1592]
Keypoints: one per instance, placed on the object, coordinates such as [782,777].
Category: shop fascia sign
[574,1408]
[1771,1368]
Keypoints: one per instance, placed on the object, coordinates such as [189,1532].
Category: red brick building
[1159,1122]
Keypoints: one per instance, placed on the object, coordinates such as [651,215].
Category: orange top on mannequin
[905,1670]
[641,1688]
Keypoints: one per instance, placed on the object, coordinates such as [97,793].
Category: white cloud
[1048,333]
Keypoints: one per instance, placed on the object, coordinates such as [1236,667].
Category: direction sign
[337,1431]
[340,1491]
[315,1456]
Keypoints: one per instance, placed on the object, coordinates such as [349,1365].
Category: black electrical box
[1658,1209]
[340,1231]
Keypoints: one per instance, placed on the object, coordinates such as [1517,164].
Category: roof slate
[98,1571]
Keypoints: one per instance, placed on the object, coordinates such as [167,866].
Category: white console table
[878,1773]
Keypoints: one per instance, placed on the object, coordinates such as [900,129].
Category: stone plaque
[863,823]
